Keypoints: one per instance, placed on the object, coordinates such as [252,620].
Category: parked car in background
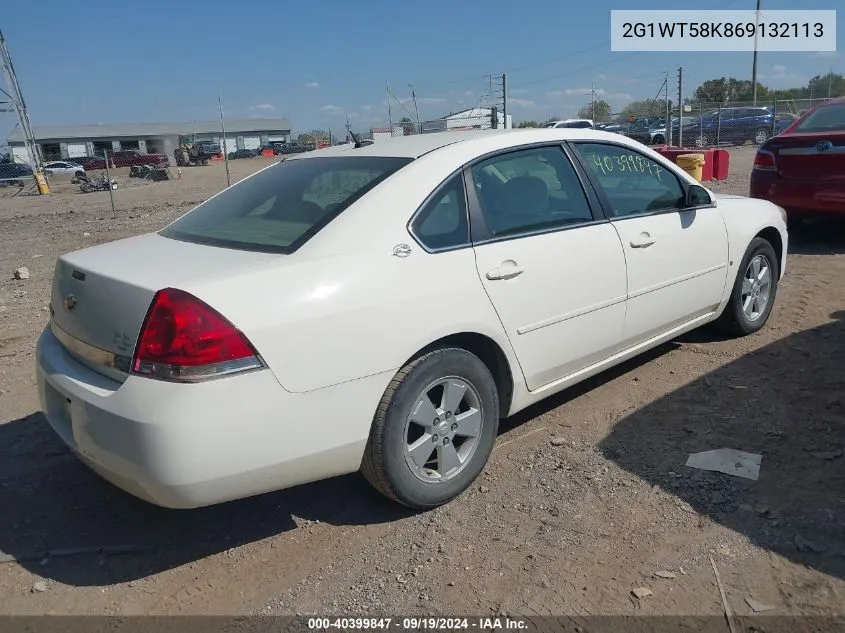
[296,148]
[732,126]
[80,160]
[127,158]
[657,131]
[14,174]
[62,167]
[243,153]
[277,326]
[578,124]
[802,169]
[783,120]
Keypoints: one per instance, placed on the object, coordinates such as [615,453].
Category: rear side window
[829,118]
[442,222]
[280,208]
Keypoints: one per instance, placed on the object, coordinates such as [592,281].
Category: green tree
[524,124]
[727,90]
[827,85]
[598,111]
[312,137]
[648,108]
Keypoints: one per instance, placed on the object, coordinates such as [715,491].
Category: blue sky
[104,62]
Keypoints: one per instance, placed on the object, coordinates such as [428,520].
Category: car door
[676,256]
[554,271]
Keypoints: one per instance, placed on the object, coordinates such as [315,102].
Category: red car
[127,158]
[802,169]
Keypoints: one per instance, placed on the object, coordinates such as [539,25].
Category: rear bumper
[799,197]
[186,446]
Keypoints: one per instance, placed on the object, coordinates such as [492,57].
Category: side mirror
[698,196]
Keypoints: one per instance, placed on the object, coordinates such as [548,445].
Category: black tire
[733,319]
[702,140]
[384,464]
[761,135]
[658,140]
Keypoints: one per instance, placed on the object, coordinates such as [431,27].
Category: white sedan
[382,307]
[62,167]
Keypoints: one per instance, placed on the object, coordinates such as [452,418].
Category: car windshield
[828,118]
[280,208]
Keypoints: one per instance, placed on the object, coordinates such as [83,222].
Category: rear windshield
[829,118]
[277,210]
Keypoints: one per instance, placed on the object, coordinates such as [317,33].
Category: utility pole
[829,81]
[668,126]
[33,155]
[389,111]
[680,106]
[754,63]
[416,109]
[593,102]
[505,98]
[224,145]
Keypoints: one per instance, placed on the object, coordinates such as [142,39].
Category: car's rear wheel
[433,430]
[754,290]
[761,136]
[702,140]
[658,139]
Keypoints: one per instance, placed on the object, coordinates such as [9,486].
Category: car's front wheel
[433,430]
[754,290]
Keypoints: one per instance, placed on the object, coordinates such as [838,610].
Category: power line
[579,70]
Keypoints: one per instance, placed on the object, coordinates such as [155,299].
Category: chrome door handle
[644,242]
[505,271]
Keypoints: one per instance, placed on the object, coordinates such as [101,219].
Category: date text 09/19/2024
[418,623]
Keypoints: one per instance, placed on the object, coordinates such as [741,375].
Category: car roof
[416,145]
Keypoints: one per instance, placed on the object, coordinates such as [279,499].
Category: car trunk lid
[813,157]
[101,295]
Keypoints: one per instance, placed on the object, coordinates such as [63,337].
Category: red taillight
[184,339]
[764,160]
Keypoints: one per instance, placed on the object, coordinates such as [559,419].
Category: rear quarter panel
[322,322]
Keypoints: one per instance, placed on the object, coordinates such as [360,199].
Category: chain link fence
[472,119]
[705,124]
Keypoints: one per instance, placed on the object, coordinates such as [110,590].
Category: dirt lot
[561,529]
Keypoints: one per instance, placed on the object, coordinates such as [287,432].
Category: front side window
[633,183]
[280,208]
[442,222]
[530,190]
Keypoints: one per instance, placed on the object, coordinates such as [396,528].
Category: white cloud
[312,84]
[332,109]
[525,103]
[263,106]
[782,77]
[568,92]
[518,91]
[430,100]
[825,54]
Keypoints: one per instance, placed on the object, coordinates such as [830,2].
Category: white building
[380,133]
[71,141]
[475,119]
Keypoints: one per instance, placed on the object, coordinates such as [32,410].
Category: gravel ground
[585,499]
